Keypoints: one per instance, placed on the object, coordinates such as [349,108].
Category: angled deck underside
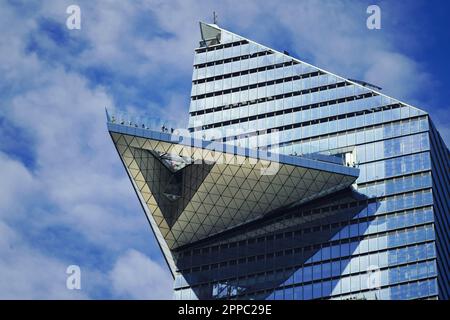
[192,199]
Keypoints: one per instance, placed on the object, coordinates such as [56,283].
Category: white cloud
[27,274]
[20,185]
[397,73]
[77,168]
[135,276]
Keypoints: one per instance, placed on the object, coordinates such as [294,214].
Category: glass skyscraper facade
[374,224]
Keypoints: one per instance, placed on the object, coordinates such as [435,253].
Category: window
[307,292]
[307,274]
[345,284]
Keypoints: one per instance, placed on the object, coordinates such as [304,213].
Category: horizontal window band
[329,135]
[332,243]
[317,246]
[346,294]
[306,213]
[296,109]
[233,59]
[421,173]
[321,279]
[258,85]
[244,72]
[282,96]
[221,46]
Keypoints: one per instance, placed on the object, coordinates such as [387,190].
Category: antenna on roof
[214,17]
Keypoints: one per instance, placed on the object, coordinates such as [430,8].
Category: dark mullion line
[259,85]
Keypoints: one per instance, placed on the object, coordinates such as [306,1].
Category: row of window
[367,280]
[412,290]
[396,185]
[364,153]
[304,140]
[242,59]
[361,263]
[221,52]
[309,272]
[385,223]
[396,204]
[394,166]
[403,201]
[381,242]
[295,126]
[282,103]
[221,45]
[359,283]
[419,200]
[331,135]
[301,125]
[215,57]
[302,116]
[260,58]
[255,70]
[276,92]
[279,76]
[219,68]
[342,248]
[392,147]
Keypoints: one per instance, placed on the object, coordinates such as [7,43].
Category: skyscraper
[292,183]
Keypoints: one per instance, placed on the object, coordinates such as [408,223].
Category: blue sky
[64,196]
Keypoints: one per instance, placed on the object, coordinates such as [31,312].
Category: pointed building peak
[225,36]
[210,34]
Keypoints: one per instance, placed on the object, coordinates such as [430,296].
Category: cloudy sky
[64,196]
